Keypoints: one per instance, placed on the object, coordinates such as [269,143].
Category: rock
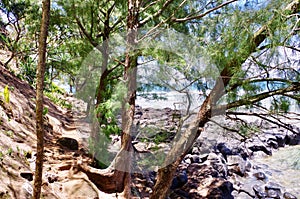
[260,175]
[51,177]
[255,148]
[288,195]
[69,143]
[180,180]
[293,139]
[27,175]
[203,157]
[195,151]
[236,164]
[240,151]
[273,144]
[281,140]
[180,194]
[220,189]
[273,186]
[195,159]
[259,192]
[224,150]
[226,188]
[221,169]
[188,161]
[139,113]
[273,194]
[27,190]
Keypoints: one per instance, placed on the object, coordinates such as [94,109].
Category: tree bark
[39,99]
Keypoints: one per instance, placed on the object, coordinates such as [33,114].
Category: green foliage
[55,98]
[248,130]
[9,151]
[161,137]
[280,104]
[45,111]
[1,156]
[10,134]
[53,88]
[98,147]
[6,94]
[107,111]
[28,70]
[15,7]
[150,162]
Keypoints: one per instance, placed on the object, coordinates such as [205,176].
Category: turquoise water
[284,167]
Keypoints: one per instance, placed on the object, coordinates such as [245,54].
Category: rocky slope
[222,164]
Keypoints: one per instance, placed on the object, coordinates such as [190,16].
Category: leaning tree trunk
[39,99]
[183,145]
[180,149]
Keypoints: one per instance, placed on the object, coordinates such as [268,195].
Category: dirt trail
[18,140]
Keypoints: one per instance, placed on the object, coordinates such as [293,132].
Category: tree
[15,12]
[117,176]
[232,65]
[230,44]
[39,99]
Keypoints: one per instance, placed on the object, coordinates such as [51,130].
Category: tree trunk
[117,177]
[39,99]
[130,75]
[181,147]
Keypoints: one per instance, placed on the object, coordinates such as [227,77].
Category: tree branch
[88,36]
[203,14]
[158,13]
[259,97]
[149,5]
[278,123]
[240,83]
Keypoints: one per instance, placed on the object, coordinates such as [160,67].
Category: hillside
[18,140]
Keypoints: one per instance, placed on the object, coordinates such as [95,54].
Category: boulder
[69,143]
[27,175]
[179,180]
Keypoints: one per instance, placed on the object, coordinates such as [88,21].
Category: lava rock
[259,192]
[27,175]
[262,148]
[288,195]
[69,143]
[273,194]
[293,139]
[224,150]
[273,144]
[180,180]
[260,175]
[273,186]
[195,159]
